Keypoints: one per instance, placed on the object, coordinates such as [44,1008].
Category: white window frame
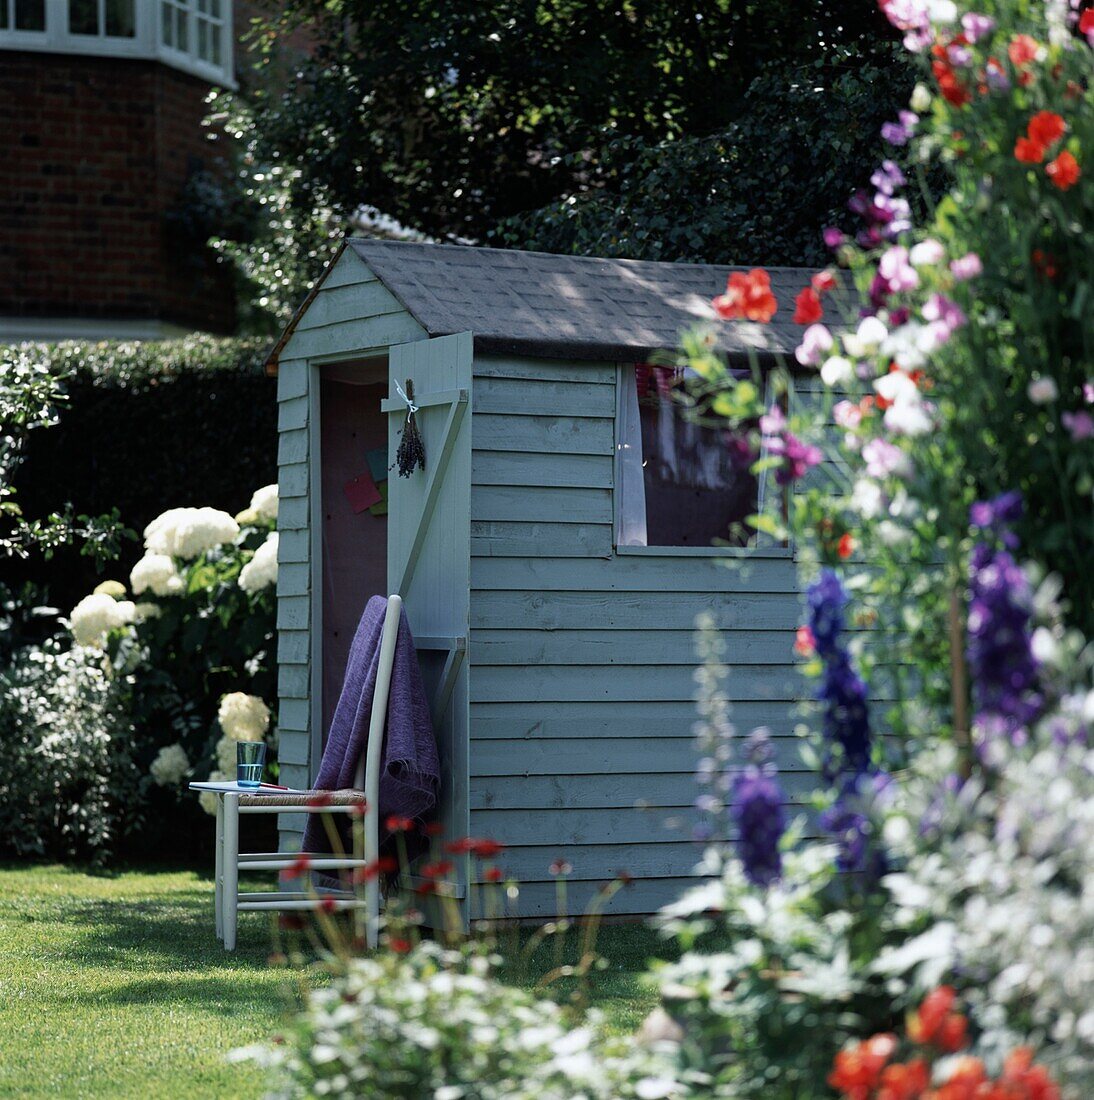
[146,43]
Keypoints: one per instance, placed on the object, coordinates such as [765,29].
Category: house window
[23,15]
[103,18]
[193,35]
[194,27]
[680,482]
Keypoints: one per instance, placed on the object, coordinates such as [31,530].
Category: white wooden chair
[233,801]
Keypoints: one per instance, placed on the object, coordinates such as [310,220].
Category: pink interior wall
[354,544]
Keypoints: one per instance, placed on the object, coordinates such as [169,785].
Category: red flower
[624,877]
[1046,127]
[1022,50]
[857,1070]
[904,1081]
[1044,263]
[805,645]
[399,945]
[319,799]
[1086,22]
[953,91]
[493,874]
[925,1022]
[297,869]
[385,865]
[425,888]
[747,296]
[477,846]
[807,307]
[359,808]
[846,546]
[396,824]
[823,282]
[965,1082]
[1022,1078]
[438,869]
[432,828]
[952,1033]
[1028,151]
[327,904]
[560,867]
[1063,171]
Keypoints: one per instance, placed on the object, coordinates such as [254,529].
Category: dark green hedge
[146,427]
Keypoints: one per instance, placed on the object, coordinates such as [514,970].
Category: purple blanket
[410,769]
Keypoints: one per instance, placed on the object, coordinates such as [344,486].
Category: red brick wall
[97,152]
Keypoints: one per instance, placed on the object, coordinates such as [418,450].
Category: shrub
[144,424]
[68,787]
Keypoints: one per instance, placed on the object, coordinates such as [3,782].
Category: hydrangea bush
[194,649]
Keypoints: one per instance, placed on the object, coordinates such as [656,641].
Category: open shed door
[429,540]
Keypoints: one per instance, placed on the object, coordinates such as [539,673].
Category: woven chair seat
[302,798]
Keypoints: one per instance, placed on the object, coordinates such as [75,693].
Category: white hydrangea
[187,532]
[226,753]
[243,717]
[264,503]
[171,766]
[156,573]
[114,589]
[96,615]
[261,570]
[208,799]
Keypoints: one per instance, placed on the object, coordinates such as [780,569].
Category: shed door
[429,539]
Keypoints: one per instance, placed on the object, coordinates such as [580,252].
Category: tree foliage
[464,119]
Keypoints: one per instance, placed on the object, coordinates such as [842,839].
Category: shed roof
[580,307]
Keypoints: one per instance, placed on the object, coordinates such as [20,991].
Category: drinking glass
[250,758]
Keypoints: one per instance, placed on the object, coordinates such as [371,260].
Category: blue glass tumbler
[250,758]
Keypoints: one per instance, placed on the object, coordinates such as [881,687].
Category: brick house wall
[98,152]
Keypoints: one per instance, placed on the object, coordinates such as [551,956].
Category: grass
[113,985]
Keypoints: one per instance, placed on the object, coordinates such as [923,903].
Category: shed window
[109,18]
[681,483]
[23,15]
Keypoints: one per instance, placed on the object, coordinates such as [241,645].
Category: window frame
[763,547]
[146,43]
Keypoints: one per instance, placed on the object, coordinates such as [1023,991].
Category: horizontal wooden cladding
[522,504]
[626,647]
[574,756]
[556,683]
[353,337]
[503,539]
[552,470]
[353,302]
[594,722]
[521,397]
[549,434]
[643,896]
[622,825]
[548,610]
[603,862]
[633,573]
[544,370]
[618,790]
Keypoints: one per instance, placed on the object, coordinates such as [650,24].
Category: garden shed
[553,553]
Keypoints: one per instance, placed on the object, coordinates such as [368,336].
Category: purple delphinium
[757,813]
[842,692]
[849,822]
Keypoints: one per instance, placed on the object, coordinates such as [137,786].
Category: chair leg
[219,891]
[230,895]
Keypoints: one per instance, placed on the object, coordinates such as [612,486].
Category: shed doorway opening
[353,499]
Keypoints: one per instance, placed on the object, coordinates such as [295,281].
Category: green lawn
[114,985]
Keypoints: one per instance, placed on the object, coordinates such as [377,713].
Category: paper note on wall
[377,464]
[361,491]
[380,509]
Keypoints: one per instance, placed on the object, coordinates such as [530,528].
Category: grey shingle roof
[571,306]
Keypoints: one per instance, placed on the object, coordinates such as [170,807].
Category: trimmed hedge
[147,426]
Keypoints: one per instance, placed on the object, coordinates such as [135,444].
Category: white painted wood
[230,863]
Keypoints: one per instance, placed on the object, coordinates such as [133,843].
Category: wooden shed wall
[582,660]
[352,316]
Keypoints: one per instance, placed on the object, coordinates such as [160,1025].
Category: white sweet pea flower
[870,333]
[891,534]
[896,386]
[927,253]
[1043,391]
[836,371]
[908,345]
[867,498]
[921,99]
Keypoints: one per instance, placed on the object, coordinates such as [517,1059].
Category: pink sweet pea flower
[884,459]
[1080,425]
[895,268]
[847,415]
[816,343]
[976,26]
[966,267]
